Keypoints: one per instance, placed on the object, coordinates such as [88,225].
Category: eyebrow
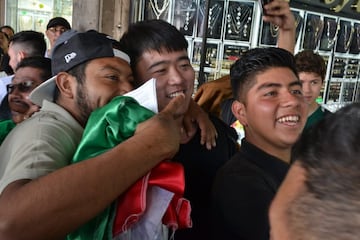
[108,66]
[277,85]
[183,57]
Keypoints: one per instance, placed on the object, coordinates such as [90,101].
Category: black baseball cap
[71,49]
[58,21]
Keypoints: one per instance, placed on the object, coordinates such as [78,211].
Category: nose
[125,87]
[175,76]
[306,87]
[290,99]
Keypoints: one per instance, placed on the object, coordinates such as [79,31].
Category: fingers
[208,136]
[279,13]
[277,8]
[174,106]
[189,127]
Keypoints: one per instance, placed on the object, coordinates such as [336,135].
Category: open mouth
[289,119]
[175,94]
[19,106]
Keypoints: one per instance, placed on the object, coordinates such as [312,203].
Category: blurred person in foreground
[319,198]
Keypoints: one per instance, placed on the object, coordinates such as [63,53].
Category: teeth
[289,119]
[175,94]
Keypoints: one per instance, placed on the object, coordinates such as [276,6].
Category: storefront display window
[35,14]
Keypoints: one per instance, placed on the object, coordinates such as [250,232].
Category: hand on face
[165,127]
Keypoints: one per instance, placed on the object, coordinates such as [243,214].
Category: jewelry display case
[234,26]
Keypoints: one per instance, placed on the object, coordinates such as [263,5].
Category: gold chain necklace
[155,7]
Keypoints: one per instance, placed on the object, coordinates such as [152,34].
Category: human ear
[66,84]
[239,111]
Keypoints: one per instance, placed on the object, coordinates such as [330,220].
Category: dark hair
[8,27]
[58,21]
[42,63]
[151,35]
[31,42]
[329,206]
[308,61]
[253,62]
[6,36]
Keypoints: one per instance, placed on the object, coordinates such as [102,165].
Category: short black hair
[42,63]
[149,35]
[32,42]
[255,61]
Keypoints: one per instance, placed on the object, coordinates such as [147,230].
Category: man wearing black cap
[54,29]
[41,195]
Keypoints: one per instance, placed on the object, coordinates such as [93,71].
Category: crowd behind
[106,139]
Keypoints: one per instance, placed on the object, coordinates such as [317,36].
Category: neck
[281,152]
[312,108]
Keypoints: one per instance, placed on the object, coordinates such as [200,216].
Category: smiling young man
[42,195]
[312,69]
[158,50]
[270,105]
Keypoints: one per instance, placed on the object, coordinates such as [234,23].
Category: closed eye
[271,94]
[113,77]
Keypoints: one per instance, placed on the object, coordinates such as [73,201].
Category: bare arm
[54,205]
[279,13]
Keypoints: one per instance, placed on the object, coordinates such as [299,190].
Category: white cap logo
[69,57]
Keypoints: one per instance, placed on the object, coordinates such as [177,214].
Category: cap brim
[44,91]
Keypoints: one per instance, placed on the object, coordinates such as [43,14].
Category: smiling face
[173,72]
[105,78]
[274,111]
[29,78]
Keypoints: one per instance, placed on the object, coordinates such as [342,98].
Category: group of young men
[47,192]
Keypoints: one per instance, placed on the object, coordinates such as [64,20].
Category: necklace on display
[274,30]
[238,19]
[190,9]
[214,14]
[155,7]
[348,41]
[318,24]
[331,36]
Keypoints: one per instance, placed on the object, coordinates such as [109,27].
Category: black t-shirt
[201,166]
[242,193]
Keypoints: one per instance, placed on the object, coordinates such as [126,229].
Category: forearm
[286,40]
[63,200]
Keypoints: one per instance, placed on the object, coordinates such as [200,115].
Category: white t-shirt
[3,82]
